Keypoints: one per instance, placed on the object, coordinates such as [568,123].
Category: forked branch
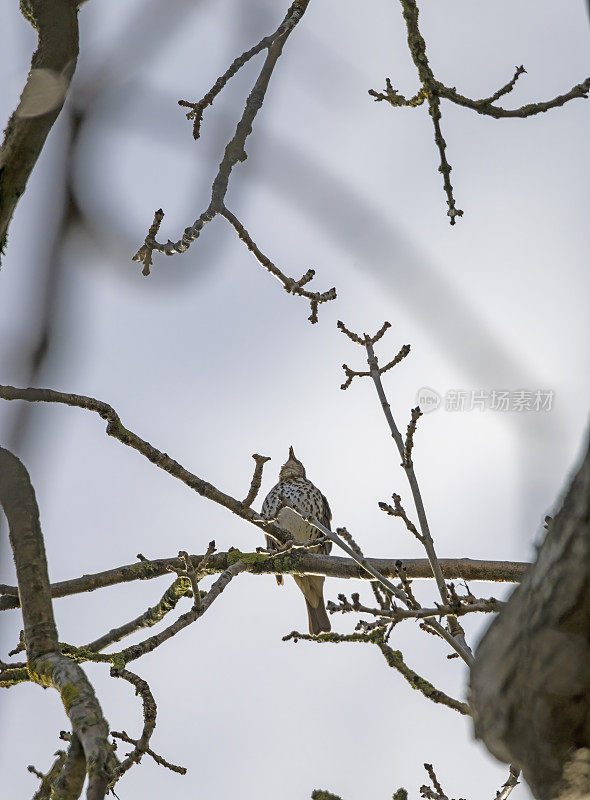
[432,90]
[235,153]
[47,666]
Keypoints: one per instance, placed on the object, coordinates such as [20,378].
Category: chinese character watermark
[503,400]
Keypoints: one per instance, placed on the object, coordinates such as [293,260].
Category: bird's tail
[312,587]
[318,619]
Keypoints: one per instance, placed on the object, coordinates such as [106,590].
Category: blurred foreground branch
[52,68]
[530,686]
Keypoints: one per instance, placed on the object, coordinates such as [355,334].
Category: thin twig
[432,775]
[427,540]
[150,711]
[397,614]
[117,430]
[507,787]
[398,511]
[234,154]
[433,90]
[350,540]
[417,47]
[256,479]
[409,443]
[180,588]
[354,337]
[197,109]
[190,572]
[148,645]
[402,574]
[158,759]
[458,646]
[290,285]
[394,659]
[486,107]
[507,88]
[404,450]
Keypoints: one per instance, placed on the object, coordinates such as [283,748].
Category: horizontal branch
[486,107]
[501,571]
[294,562]
[396,614]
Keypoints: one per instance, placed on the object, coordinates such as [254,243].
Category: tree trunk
[530,685]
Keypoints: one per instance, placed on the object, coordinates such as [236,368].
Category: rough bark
[46,665]
[530,685]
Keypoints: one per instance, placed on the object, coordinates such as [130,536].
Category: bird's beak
[291,453]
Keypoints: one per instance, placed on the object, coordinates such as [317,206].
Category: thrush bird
[295,491]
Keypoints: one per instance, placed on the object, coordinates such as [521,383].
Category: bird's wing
[326,516]
[270,504]
[269,510]
[325,519]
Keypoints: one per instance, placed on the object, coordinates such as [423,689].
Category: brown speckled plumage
[295,491]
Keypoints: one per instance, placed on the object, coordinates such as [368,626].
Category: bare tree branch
[404,449]
[162,460]
[46,664]
[148,645]
[234,154]
[149,721]
[356,555]
[296,562]
[70,782]
[432,90]
[48,779]
[394,659]
[397,614]
[510,784]
[52,68]
[197,109]
[290,285]
[486,107]
[180,588]
[256,479]
[158,759]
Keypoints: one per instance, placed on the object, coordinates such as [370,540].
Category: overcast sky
[211,361]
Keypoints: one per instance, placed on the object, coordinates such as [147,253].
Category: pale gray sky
[211,360]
